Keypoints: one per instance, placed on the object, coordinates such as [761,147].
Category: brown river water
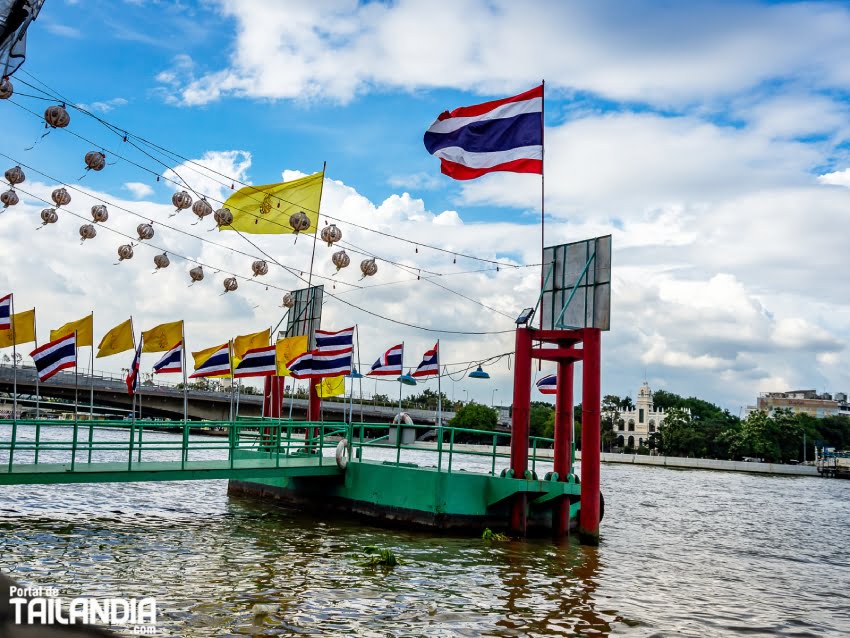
[683,553]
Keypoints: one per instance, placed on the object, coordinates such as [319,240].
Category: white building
[634,426]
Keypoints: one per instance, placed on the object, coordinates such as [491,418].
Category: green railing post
[231,443]
[185,450]
[37,439]
[130,454]
[91,437]
[533,455]
[398,433]
[360,445]
[440,448]
[139,457]
[279,428]
[74,445]
[493,467]
[451,448]
[12,442]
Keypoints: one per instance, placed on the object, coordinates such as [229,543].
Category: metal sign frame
[305,316]
[577,285]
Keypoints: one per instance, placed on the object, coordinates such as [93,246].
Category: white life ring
[342,454]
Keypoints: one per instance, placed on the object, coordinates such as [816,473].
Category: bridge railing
[130,444]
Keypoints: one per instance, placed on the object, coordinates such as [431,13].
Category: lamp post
[493,397]
[466,394]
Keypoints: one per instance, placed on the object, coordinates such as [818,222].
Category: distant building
[634,426]
[803,402]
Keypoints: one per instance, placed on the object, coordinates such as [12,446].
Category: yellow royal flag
[331,387]
[200,357]
[23,327]
[119,339]
[287,350]
[83,327]
[163,337]
[266,210]
[242,344]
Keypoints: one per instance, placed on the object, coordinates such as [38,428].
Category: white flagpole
[37,379]
[133,417]
[76,381]
[439,390]
[185,381]
[91,371]
[230,358]
[400,384]
[14,361]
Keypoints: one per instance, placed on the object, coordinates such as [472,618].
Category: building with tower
[633,427]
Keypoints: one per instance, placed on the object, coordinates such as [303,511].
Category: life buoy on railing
[402,417]
[343,453]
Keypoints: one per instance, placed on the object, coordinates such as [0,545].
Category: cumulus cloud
[139,190]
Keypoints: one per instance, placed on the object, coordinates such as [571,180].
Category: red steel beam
[563,437]
[557,354]
[591,426]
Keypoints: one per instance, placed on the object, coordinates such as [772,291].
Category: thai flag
[326,340]
[133,375]
[55,356]
[259,362]
[389,363]
[548,384]
[218,363]
[6,312]
[316,364]
[171,361]
[502,135]
[430,365]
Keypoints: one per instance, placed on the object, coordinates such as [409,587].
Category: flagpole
[230,360]
[37,379]
[439,390]
[15,361]
[76,382]
[133,331]
[185,380]
[316,234]
[542,187]
[91,371]
[400,384]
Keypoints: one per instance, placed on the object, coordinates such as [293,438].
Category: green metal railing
[28,443]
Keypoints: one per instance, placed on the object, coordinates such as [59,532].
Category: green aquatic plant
[490,535]
[378,557]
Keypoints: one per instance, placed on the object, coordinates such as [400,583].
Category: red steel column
[563,436]
[591,427]
[273,396]
[314,409]
[520,422]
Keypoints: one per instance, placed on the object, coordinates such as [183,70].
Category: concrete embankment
[661,461]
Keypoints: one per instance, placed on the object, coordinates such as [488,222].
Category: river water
[683,553]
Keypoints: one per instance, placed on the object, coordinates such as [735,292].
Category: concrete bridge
[166,401]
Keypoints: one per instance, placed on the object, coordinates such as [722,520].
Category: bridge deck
[53,473]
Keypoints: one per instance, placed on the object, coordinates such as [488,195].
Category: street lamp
[466,393]
[493,397]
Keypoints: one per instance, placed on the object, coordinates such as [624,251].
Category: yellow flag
[163,337]
[331,387]
[83,327]
[242,344]
[23,327]
[287,350]
[201,356]
[265,210]
[119,339]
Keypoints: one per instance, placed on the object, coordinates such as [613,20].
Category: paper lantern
[341,260]
[288,300]
[230,284]
[15,175]
[223,217]
[197,274]
[299,222]
[260,268]
[201,208]
[6,89]
[49,216]
[331,234]
[60,197]
[99,213]
[95,161]
[145,231]
[368,267]
[9,198]
[181,200]
[125,252]
[56,116]
[161,261]
[87,231]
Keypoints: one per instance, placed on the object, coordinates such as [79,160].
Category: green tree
[474,416]
[610,415]
[542,419]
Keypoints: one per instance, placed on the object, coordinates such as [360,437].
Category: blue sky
[711,139]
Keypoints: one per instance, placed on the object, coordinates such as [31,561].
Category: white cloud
[663,54]
[104,106]
[139,190]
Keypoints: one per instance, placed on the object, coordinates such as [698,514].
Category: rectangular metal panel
[305,317]
[577,285]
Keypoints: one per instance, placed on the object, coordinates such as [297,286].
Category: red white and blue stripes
[217,364]
[6,312]
[133,375]
[318,364]
[55,356]
[171,361]
[259,362]
[430,365]
[548,384]
[330,341]
[502,135]
[389,363]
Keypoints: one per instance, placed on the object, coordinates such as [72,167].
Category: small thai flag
[171,361]
[218,363]
[301,367]
[6,312]
[430,365]
[389,363]
[326,340]
[548,384]
[55,356]
[316,364]
[259,362]
[133,375]
[502,135]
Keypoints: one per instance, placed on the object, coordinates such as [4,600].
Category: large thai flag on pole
[548,384]
[55,356]
[389,363]
[430,365]
[218,363]
[171,361]
[318,364]
[329,341]
[258,362]
[133,376]
[6,312]
[502,135]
